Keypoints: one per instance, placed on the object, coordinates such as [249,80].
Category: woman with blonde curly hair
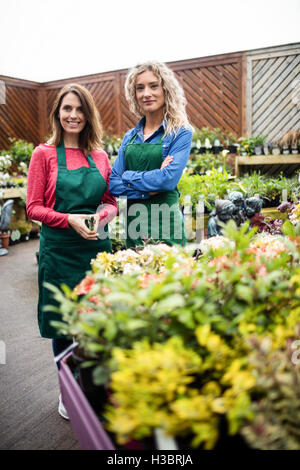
[153,156]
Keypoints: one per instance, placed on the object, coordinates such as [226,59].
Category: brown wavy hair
[175,102]
[90,138]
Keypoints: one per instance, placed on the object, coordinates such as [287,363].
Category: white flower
[215,243]
[268,245]
[130,268]
[124,255]
[146,256]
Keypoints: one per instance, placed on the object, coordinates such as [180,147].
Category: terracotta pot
[5,239]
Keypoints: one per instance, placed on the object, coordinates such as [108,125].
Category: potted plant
[111,144]
[295,144]
[258,144]
[4,239]
[246,146]
[275,148]
[6,212]
[203,139]
[267,148]
[217,147]
[231,142]
[289,142]
[218,140]
[197,141]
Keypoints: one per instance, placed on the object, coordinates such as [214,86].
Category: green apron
[64,256]
[158,217]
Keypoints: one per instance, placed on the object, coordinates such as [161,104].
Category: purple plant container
[86,425]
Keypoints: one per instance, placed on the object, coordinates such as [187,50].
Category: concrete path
[28,381]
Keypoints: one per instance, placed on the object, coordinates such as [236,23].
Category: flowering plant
[5,162]
[269,246]
[172,341]
[294,215]
[215,243]
[151,258]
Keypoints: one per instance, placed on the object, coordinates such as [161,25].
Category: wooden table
[270,164]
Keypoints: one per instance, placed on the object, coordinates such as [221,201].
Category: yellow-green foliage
[176,389]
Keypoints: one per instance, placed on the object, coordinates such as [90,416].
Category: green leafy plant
[248,144]
[259,141]
[269,188]
[111,143]
[211,186]
[201,163]
[19,150]
[127,321]
[276,408]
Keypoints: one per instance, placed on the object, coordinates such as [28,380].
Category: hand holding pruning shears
[77,222]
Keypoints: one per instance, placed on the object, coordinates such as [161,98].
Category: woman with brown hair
[68,182]
[153,156]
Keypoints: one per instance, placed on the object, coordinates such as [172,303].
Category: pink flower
[95,299]
[262,271]
[144,281]
[84,286]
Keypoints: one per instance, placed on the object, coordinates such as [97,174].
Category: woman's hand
[100,218]
[164,164]
[77,222]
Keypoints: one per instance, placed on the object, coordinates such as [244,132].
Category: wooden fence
[273,91]
[229,91]
[19,114]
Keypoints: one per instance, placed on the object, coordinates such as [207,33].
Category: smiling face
[71,115]
[149,93]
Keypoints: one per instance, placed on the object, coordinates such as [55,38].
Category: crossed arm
[142,184]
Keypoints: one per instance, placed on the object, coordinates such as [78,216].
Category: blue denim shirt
[138,184]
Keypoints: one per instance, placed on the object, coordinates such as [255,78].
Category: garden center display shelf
[10,193]
[86,425]
[272,164]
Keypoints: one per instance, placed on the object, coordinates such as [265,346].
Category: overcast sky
[45,40]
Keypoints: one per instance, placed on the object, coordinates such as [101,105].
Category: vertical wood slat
[243,96]
[42,113]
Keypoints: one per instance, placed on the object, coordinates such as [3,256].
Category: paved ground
[28,381]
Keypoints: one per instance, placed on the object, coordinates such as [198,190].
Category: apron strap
[61,157]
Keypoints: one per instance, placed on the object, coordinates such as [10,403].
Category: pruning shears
[91,222]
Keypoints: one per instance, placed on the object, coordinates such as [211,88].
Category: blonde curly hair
[175,115]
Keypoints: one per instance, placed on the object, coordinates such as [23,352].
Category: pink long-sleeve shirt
[41,183]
